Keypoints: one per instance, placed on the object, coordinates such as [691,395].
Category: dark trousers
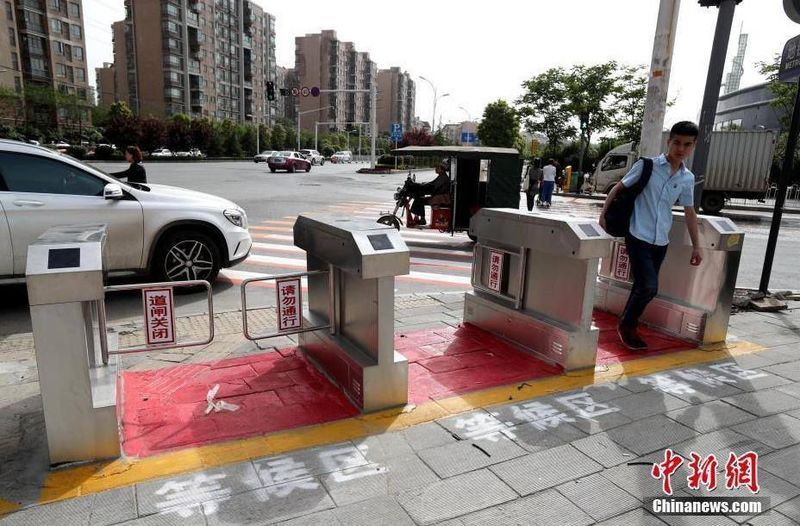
[531,199]
[418,206]
[546,194]
[645,260]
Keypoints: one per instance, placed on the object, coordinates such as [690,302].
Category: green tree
[152,135]
[247,138]
[629,103]
[179,132]
[123,131]
[278,136]
[440,139]
[264,137]
[216,141]
[590,92]
[499,125]
[12,109]
[101,115]
[230,139]
[784,96]
[290,139]
[202,130]
[120,109]
[543,106]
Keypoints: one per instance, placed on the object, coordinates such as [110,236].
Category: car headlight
[237,217]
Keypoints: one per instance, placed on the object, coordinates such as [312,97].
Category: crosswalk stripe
[279,248]
[272,236]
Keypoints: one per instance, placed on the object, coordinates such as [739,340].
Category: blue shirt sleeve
[687,194]
[634,174]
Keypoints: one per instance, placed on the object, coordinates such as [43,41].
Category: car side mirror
[113,191]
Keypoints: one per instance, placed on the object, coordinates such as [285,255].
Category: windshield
[93,168]
[285,154]
[267,152]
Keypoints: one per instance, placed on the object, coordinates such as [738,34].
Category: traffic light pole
[780,199]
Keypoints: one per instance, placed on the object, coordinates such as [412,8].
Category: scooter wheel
[390,220]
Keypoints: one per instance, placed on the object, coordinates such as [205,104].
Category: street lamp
[317,110]
[469,115]
[436,98]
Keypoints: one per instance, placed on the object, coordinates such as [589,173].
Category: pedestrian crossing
[439,261]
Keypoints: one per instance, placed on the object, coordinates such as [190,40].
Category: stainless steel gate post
[693,303]
[65,278]
[351,270]
[540,293]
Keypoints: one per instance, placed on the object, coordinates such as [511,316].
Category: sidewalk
[553,451]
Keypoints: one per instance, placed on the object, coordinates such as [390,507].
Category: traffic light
[270,90]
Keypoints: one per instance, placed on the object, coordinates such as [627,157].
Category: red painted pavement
[165,409]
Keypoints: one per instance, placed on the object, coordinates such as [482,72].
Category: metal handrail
[274,277]
[102,320]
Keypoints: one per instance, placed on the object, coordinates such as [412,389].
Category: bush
[104,153]
[327,151]
[78,152]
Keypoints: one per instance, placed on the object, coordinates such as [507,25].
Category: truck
[739,165]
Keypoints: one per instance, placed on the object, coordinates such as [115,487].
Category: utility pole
[658,84]
[373,122]
[716,67]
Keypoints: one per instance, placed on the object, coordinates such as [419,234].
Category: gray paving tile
[789,370]
[111,507]
[776,489]
[381,510]
[790,508]
[784,463]
[427,435]
[650,434]
[776,431]
[695,520]
[68,512]
[474,424]
[309,462]
[603,392]
[393,476]
[770,518]
[637,517]
[268,505]
[720,443]
[185,490]
[598,498]
[456,496]
[637,480]
[773,338]
[792,389]
[546,469]
[710,416]
[537,437]
[649,403]
[543,509]
[321,518]
[470,455]
[765,402]
[377,448]
[602,449]
[188,516]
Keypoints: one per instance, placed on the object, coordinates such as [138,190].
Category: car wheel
[187,255]
[290,169]
[308,167]
[322,162]
[272,170]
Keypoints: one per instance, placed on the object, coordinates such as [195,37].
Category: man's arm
[691,226]
[611,195]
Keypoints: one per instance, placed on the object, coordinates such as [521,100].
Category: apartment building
[396,99]
[105,82]
[286,106]
[208,58]
[322,60]
[42,46]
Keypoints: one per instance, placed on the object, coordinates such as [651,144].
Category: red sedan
[289,161]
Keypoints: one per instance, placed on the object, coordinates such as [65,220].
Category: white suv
[344,156]
[172,233]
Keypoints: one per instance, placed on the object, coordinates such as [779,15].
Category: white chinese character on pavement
[542,416]
[482,426]
[733,369]
[282,469]
[584,406]
[667,384]
[186,495]
[705,377]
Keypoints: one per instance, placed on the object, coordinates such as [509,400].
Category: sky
[479,51]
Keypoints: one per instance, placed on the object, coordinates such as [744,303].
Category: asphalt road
[439,262]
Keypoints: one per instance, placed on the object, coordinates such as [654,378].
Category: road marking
[102,476]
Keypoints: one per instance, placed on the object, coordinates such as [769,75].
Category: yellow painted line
[7,507]
[87,479]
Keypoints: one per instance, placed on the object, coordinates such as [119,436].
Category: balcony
[196,40]
[197,83]
[192,19]
[198,99]
[247,42]
[194,66]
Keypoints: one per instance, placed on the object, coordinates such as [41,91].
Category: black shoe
[631,339]
[422,221]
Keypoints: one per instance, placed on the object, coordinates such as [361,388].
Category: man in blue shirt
[648,235]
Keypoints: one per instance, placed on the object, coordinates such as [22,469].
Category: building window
[38,67]
[12,37]
[55,25]
[35,45]
[76,32]
[59,48]
[9,11]
[74,10]
[82,93]
[14,62]
[18,84]
[55,4]
[61,71]
[77,53]
[80,74]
